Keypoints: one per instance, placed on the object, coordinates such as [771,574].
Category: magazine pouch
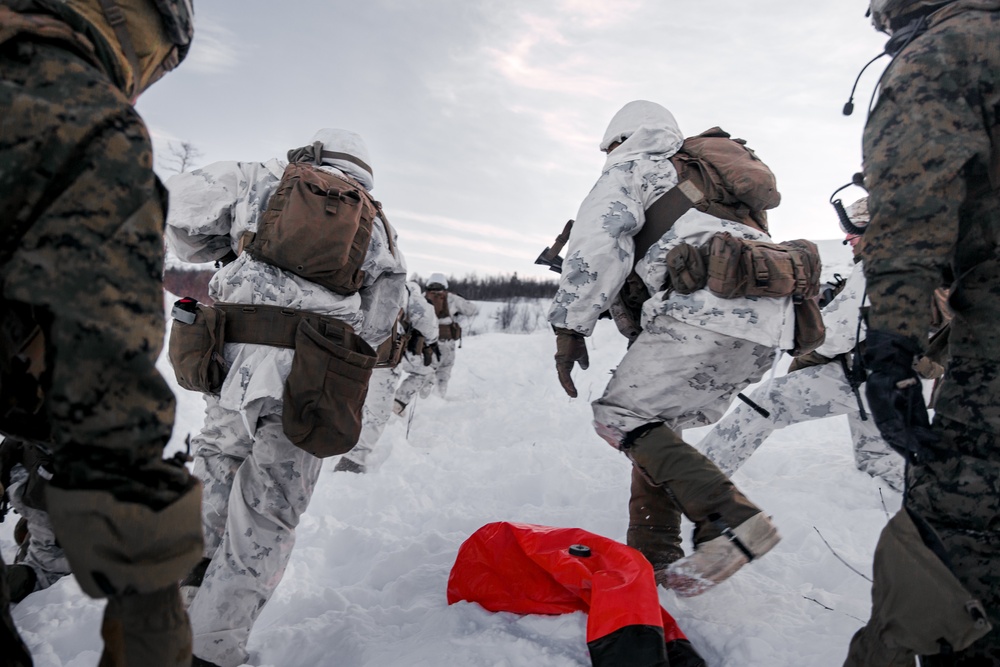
[195,349]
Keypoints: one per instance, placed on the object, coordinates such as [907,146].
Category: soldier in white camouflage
[257,483]
[421,351]
[815,389]
[932,169]
[695,352]
[81,309]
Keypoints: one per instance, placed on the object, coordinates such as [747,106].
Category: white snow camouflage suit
[424,379]
[811,393]
[256,482]
[382,387]
[696,351]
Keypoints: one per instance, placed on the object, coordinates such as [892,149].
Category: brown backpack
[317,225]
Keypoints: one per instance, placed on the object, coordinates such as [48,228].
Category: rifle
[550,256]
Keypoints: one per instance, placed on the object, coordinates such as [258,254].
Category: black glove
[571,347]
[895,395]
[429,350]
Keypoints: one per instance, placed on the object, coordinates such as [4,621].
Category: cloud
[214,50]
[476,228]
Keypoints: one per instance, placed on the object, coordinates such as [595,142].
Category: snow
[366,582]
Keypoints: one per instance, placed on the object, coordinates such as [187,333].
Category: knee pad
[119,548]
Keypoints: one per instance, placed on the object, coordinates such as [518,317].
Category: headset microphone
[849,107]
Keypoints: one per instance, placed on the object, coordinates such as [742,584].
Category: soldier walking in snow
[298,352]
[932,170]
[694,353]
[81,309]
[452,311]
[420,352]
[817,386]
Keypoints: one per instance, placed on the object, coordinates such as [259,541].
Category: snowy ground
[366,583]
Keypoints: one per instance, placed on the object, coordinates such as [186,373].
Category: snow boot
[22,536]
[347,465]
[198,662]
[398,408]
[21,580]
[192,582]
[718,559]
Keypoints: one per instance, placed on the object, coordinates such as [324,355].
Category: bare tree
[181,156]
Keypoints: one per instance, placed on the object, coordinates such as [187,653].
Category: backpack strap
[663,213]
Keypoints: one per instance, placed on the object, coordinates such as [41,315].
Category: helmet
[178,23]
[889,16]
[857,213]
[437,281]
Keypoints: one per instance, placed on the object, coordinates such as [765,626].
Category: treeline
[497,288]
[194,283]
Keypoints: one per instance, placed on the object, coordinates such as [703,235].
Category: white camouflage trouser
[255,490]
[679,374]
[418,376]
[811,393]
[44,554]
[442,369]
[377,410]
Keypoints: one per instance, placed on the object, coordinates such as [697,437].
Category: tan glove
[571,346]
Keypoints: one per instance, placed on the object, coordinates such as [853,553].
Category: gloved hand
[432,350]
[895,395]
[571,347]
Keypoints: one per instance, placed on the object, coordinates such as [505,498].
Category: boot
[718,559]
[22,536]
[347,465]
[14,654]
[654,527]
[21,580]
[149,629]
[198,662]
[192,582]
[398,408]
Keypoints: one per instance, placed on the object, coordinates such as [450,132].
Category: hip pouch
[739,267]
[326,389]
[317,226]
[451,331]
[196,343]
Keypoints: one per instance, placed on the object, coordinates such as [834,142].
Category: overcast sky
[483,116]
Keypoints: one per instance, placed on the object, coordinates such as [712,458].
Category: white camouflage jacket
[421,313]
[599,253]
[210,209]
[461,310]
[842,315]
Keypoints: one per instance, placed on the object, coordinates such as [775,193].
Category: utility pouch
[196,343]
[317,225]
[390,352]
[810,332]
[326,389]
[452,331]
[739,267]
[686,268]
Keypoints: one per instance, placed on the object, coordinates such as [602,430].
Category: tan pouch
[686,267]
[326,390]
[739,267]
[195,350]
[810,332]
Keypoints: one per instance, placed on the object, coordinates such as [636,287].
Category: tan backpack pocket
[326,390]
[195,349]
[317,226]
[686,268]
[810,331]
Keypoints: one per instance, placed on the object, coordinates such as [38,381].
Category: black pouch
[195,348]
[326,388]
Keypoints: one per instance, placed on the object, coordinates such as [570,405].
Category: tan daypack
[317,225]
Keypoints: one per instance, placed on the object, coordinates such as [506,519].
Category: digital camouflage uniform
[814,392]
[932,168]
[81,251]
[382,386]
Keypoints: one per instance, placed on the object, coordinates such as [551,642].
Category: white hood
[351,143]
[643,128]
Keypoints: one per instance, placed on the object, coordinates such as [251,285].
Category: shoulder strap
[663,213]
